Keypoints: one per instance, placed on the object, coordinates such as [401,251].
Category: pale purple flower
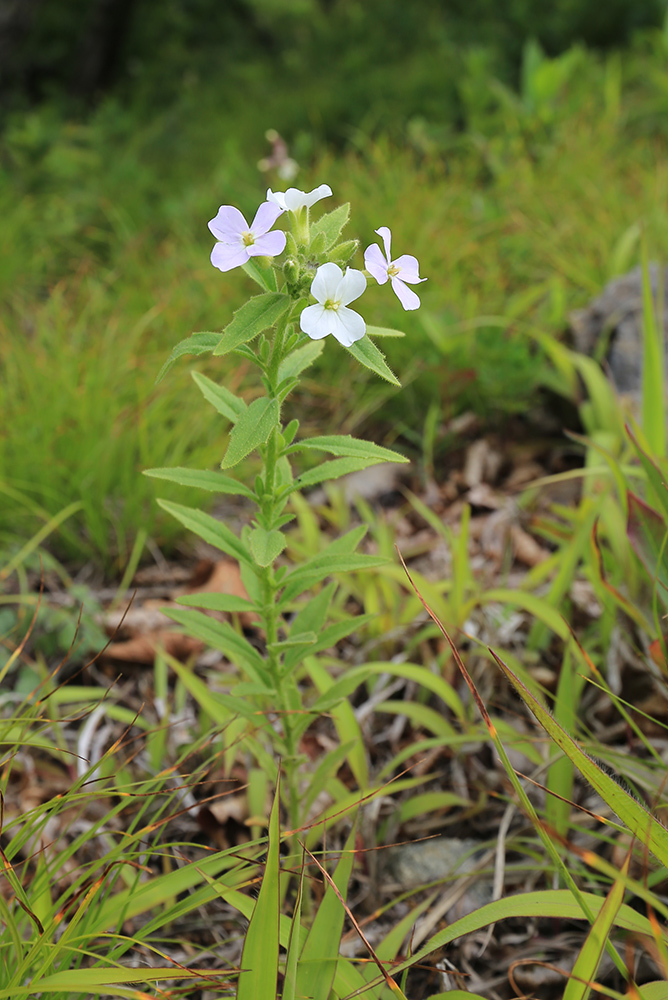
[334,290]
[293,199]
[404,268]
[239,241]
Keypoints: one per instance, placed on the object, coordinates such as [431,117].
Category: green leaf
[196,343]
[297,361]
[203,479]
[318,961]
[223,637]
[383,331]
[266,546]
[331,224]
[338,557]
[366,352]
[259,958]
[265,277]
[251,430]
[228,603]
[647,533]
[221,398]
[586,965]
[211,530]
[632,813]
[258,314]
[327,638]
[333,469]
[344,444]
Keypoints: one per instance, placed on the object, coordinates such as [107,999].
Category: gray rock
[617,315]
[425,861]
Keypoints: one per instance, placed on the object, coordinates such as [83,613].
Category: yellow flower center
[332,304]
[393,270]
[248,238]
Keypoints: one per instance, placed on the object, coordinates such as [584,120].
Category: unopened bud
[291,270]
[342,253]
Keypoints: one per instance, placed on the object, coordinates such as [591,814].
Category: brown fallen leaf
[142,648]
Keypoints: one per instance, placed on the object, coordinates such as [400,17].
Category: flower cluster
[331,287]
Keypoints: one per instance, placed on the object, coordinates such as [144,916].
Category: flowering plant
[294,628]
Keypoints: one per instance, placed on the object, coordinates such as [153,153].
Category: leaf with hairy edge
[366,352]
[196,343]
[211,530]
[320,955]
[297,361]
[332,469]
[326,639]
[221,398]
[322,566]
[229,603]
[259,958]
[344,444]
[263,276]
[586,965]
[331,224]
[258,314]
[203,479]
[221,636]
[266,546]
[383,331]
[632,813]
[251,430]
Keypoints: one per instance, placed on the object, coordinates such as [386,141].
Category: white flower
[239,241]
[334,290]
[292,199]
[404,268]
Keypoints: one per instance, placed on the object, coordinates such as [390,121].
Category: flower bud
[342,253]
[291,270]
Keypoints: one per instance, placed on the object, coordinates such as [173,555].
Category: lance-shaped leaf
[333,469]
[259,958]
[344,444]
[331,224]
[221,398]
[632,813]
[266,546]
[211,530]
[196,343]
[383,331]
[223,637]
[655,476]
[647,533]
[251,430]
[203,479]
[297,361]
[263,276]
[366,352]
[258,314]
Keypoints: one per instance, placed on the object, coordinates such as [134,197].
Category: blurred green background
[518,150]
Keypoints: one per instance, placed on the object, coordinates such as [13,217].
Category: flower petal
[409,268]
[375,263]
[225,256]
[406,295]
[295,199]
[348,326]
[228,224]
[326,282]
[276,198]
[351,286]
[269,245]
[316,321]
[265,217]
[386,237]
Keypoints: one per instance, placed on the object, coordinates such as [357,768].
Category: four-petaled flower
[404,268]
[334,290]
[293,199]
[239,241]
